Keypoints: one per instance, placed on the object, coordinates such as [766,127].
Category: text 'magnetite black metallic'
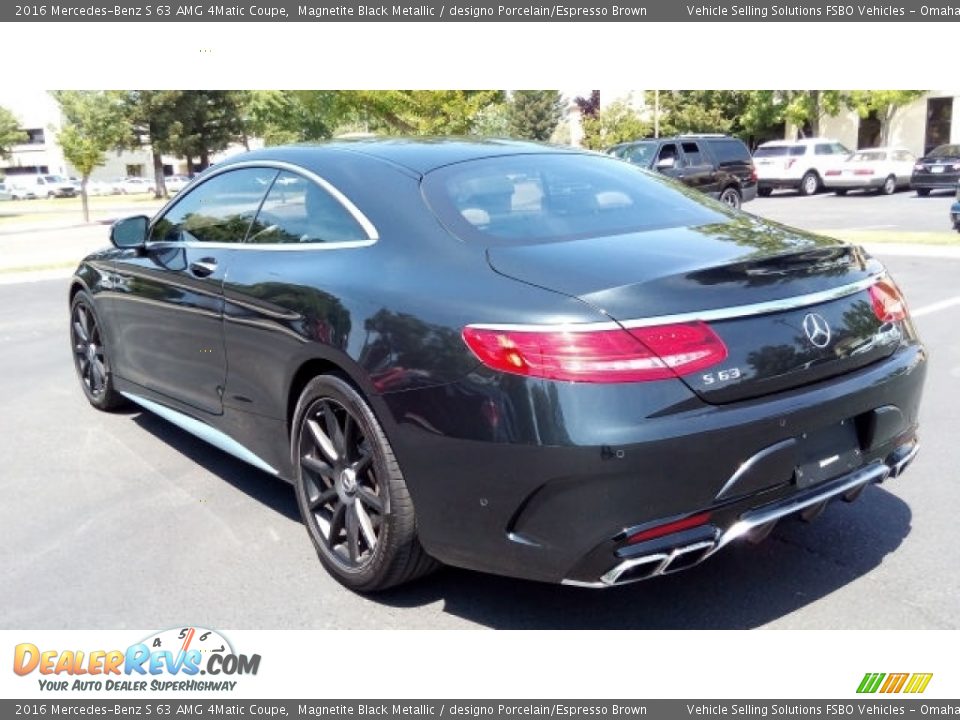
[515,358]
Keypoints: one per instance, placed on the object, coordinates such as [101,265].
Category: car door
[167,308]
[698,170]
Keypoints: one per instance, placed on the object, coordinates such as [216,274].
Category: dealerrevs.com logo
[894,682]
[172,659]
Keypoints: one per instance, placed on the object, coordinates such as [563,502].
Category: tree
[808,108]
[617,122]
[95,123]
[152,115]
[207,121]
[10,132]
[534,114]
[885,104]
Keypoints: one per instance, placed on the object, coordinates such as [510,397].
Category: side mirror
[130,232]
[666,163]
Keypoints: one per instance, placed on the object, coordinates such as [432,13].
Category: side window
[692,154]
[297,210]
[668,151]
[798,150]
[823,149]
[219,210]
[840,149]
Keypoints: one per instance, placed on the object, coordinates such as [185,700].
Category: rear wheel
[731,197]
[90,357]
[889,186]
[923,192]
[809,184]
[350,490]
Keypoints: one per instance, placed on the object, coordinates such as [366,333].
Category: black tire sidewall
[109,398]
[369,575]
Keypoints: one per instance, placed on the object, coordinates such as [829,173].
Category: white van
[28,187]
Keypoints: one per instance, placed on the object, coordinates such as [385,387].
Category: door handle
[204,266]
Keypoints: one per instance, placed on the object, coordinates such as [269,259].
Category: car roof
[421,154]
[802,141]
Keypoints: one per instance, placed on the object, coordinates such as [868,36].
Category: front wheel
[351,493]
[889,186]
[731,197]
[809,184]
[90,356]
[923,192]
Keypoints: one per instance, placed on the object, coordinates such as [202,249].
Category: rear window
[946,151]
[730,152]
[872,156]
[779,151]
[539,198]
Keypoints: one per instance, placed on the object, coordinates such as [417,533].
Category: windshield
[53,178]
[640,153]
[535,198]
[778,151]
[868,156]
[946,151]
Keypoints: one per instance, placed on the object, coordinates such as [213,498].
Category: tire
[809,183]
[91,356]
[841,192]
[923,192]
[350,490]
[889,186]
[731,197]
[764,192]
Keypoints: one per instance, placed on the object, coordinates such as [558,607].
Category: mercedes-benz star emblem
[817,329]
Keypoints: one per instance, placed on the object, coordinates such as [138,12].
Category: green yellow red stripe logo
[894,682]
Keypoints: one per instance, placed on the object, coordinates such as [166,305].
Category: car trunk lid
[791,308]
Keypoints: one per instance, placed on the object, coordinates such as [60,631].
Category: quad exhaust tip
[755,525]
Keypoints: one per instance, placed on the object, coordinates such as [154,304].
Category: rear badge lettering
[721,376]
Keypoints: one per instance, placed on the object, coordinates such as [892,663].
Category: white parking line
[936,307]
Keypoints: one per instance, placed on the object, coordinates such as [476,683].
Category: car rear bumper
[782,183]
[567,471]
[853,183]
[942,181]
[955,215]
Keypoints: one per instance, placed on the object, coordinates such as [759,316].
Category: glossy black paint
[508,474]
[938,170]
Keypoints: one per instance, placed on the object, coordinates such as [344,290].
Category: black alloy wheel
[351,493]
[90,355]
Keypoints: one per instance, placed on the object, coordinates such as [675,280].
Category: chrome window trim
[368,227]
[728,313]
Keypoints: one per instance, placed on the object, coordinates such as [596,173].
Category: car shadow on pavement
[743,586]
[262,487]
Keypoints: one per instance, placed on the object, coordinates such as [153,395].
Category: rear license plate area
[827,453]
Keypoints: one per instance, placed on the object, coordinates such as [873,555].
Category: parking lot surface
[146,526]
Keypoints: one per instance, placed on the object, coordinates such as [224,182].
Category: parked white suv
[796,164]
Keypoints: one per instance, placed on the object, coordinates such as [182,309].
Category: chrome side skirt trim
[203,431]
[728,313]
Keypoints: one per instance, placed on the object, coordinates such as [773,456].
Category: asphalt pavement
[122,520]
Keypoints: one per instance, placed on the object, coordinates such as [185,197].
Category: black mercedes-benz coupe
[516,358]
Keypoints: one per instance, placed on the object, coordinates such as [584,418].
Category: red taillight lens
[753,173]
[863,171]
[832,172]
[671,527]
[601,356]
[888,302]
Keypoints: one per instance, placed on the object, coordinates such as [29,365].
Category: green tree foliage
[95,122]
[534,114]
[808,108]
[207,121]
[10,132]
[617,122]
[153,115]
[885,104]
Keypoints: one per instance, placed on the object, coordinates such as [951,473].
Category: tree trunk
[160,189]
[83,198]
[189,166]
[204,159]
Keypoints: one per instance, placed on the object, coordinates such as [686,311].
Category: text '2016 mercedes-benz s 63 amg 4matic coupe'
[520,359]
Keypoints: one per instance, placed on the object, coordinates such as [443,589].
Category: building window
[939,120]
[34,136]
[134,170]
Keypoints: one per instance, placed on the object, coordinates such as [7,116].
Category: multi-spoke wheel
[351,493]
[731,197]
[90,355]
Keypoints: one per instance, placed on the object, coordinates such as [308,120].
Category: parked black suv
[718,165]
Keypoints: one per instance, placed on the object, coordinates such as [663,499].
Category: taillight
[863,171]
[918,166]
[888,302]
[753,173]
[832,172]
[599,356]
